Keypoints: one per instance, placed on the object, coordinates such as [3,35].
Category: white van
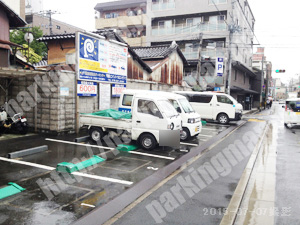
[191,121]
[292,112]
[214,106]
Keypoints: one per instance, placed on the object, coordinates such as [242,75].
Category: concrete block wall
[56,113]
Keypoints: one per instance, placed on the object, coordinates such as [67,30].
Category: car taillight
[286,108]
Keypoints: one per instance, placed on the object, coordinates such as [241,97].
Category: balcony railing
[212,53]
[163,6]
[184,29]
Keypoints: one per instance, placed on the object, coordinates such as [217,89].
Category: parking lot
[64,198]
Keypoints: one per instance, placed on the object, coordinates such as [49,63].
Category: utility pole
[267,85]
[262,80]
[199,58]
[49,14]
[231,31]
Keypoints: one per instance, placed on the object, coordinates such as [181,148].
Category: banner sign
[64,91]
[220,67]
[104,96]
[117,90]
[87,89]
[100,60]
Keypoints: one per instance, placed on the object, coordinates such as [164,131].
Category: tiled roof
[109,34]
[161,51]
[57,36]
[158,52]
[14,19]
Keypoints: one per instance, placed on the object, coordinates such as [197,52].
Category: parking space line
[75,173]
[151,155]
[28,164]
[79,144]
[96,177]
[88,205]
[205,135]
[203,128]
[182,143]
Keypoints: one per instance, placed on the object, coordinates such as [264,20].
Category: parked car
[191,121]
[150,115]
[214,106]
[292,112]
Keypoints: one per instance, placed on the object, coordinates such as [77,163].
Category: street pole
[267,85]
[229,60]
[262,81]
[199,58]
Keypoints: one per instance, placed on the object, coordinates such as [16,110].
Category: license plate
[23,120]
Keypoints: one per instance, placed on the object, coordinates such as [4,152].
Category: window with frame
[212,2]
[201,98]
[148,107]
[235,75]
[57,27]
[127,100]
[224,99]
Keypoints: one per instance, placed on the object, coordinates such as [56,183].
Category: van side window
[201,98]
[127,100]
[148,107]
[224,99]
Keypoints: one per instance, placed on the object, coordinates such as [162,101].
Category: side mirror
[178,109]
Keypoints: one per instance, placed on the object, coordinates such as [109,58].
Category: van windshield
[167,108]
[186,105]
[293,105]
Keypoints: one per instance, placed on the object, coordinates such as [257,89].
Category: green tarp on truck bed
[117,115]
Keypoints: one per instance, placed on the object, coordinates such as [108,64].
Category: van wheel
[148,142]
[223,118]
[185,135]
[96,134]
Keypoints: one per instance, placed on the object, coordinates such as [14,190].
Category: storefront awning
[243,90]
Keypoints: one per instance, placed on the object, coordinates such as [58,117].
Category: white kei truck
[150,115]
[191,121]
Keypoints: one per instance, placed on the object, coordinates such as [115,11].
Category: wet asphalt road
[64,206]
[197,205]
[272,194]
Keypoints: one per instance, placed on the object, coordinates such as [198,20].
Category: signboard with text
[220,66]
[117,90]
[100,60]
[86,88]
[104,96]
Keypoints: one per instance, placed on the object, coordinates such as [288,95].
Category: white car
[214,106]
[292,112]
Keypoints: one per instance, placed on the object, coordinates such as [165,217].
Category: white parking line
[183,143]
[88,205]
[102,178]
[79,144]
[74,173]
[204,128]
[28,164]
[205,135]
[151,155]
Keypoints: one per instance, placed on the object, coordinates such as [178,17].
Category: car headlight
[194,120]
[171,126]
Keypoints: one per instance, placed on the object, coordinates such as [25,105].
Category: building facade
[127,17]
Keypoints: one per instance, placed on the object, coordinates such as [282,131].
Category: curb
[236,200]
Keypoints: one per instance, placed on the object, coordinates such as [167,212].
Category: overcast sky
[276,28]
